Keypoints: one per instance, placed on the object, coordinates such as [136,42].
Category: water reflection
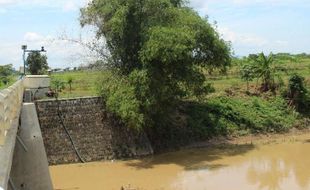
[194,159]
[269,174]
[283,164]
[272,167]
[269,167]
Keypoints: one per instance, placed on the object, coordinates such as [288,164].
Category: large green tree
[37,63]
[160,48]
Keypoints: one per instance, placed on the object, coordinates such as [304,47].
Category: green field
[84,82]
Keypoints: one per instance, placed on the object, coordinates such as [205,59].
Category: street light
[24,48]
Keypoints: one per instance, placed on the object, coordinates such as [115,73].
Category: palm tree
[266,70]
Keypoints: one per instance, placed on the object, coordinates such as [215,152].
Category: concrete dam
[36,134]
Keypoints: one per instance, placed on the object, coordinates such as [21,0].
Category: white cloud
[65,5]
[246,2]
[60,53]
[70,6]
[269,2]
[32,37]
[6,2]
[200,5]
[246,43]
[243,39]
[207,6]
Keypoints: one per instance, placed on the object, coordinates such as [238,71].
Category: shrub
[57,85]
[225,115]
[247,73]
[297,94]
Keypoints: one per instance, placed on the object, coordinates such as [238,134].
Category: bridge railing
[10,105]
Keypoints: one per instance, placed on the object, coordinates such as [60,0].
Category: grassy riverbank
[230,110]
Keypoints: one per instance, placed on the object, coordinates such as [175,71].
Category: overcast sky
[251,25]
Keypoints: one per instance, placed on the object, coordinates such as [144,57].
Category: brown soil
[292,136]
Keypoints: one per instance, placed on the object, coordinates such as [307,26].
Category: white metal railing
[10,105]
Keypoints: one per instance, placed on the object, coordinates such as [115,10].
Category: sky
[252,26]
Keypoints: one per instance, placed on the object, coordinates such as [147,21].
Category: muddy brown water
[275,166]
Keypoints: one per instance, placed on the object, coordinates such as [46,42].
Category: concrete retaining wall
[10,104]
[10,107]
[30,166]
[97,134]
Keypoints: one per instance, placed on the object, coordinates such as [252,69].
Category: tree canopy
[37,63]
[159,47]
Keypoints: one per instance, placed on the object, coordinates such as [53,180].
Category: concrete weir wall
[22,163]
[97,135]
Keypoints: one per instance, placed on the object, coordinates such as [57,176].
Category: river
[272,166]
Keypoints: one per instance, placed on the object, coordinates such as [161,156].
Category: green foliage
[226,116]
[263,68]
[298,94]
[266,71]
[119,95]
[37,63]
[83,83]
[57,85]
[247,73]
[5,72]
[164,42]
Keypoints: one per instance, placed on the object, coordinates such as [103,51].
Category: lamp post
[25,50]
